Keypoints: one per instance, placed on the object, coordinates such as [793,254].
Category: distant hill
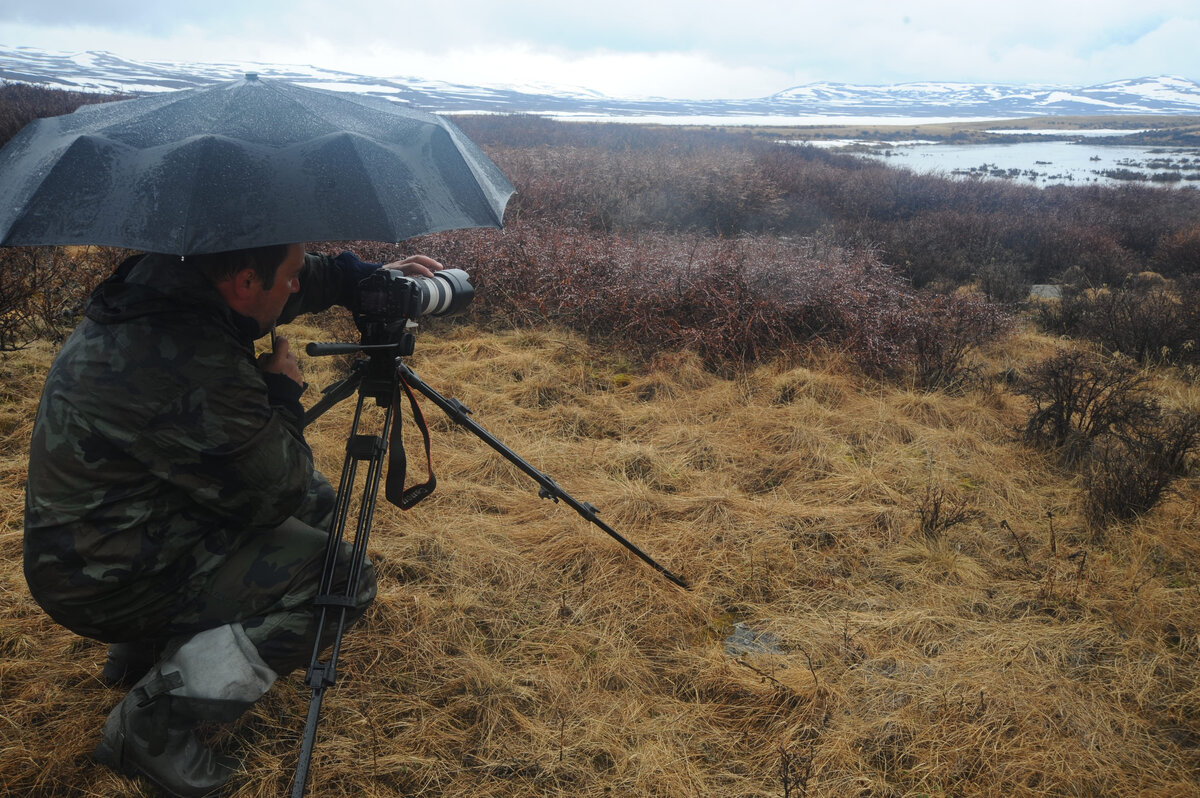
[101,71]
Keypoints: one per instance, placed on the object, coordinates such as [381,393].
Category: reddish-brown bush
[1179,252]
[42,289]
[732,300]
[21,103]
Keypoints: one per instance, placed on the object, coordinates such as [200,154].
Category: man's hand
[415,265]
[281,361]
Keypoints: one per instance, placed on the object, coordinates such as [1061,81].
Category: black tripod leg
[332,395]
[321,675]
[549,489]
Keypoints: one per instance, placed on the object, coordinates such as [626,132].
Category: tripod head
[385,306]
[373,376]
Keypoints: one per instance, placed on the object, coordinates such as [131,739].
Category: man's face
[266,306]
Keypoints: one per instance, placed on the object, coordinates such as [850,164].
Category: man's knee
[317,508]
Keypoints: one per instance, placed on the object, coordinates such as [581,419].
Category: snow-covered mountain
[100,71]
[1152,95]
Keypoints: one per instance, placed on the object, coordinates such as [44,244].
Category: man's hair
[219,266]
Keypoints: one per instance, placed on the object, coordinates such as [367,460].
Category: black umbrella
[243,164]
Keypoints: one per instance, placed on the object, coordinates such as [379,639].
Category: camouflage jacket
[158,444]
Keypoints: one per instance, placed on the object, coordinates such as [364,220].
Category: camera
[386,296]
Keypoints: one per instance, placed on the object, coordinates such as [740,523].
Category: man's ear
[248,281]
[240,288]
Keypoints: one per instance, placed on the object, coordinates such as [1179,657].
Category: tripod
[381,377]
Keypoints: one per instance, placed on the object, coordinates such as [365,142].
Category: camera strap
[397,494]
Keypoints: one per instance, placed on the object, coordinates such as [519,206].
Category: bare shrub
[1146,322]
[41,293]
[734,196]
[730,300]
[1065,243]
[1003,282]
[1080,396]
[944,329]
[1147,317]
[1098,414]
[1130,470]
[1062,316]
[1179,252]
[938,511]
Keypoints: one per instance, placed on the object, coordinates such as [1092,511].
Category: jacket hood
[151,285]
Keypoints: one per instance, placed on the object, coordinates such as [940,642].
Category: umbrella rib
[454,133]
[186,234]
[379,201]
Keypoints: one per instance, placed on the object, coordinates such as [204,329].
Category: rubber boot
[213,677]
[128,662]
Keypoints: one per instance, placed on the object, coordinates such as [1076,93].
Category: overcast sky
[700,49]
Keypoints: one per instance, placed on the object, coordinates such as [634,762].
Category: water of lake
[1044,163]
[1040,163]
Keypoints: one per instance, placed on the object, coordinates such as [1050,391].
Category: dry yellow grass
[516,650]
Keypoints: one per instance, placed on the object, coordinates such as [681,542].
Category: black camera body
[388,296]
[387,302]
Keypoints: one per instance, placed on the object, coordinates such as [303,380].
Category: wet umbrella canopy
[243,164]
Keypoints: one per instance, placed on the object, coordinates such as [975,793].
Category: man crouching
[172,508]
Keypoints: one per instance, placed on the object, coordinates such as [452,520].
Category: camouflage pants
[268,584]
